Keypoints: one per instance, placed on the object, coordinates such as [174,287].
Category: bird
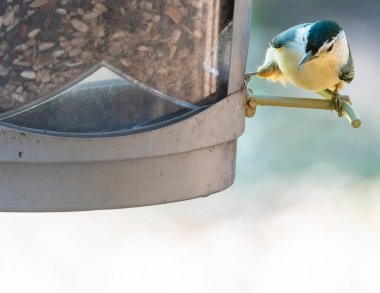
[313,56]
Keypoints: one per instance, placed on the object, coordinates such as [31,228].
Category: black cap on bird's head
[320,33]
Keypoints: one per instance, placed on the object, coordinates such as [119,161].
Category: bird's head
[325,38]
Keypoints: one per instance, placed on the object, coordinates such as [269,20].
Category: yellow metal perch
[342,107]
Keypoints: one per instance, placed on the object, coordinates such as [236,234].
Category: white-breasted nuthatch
[314,56]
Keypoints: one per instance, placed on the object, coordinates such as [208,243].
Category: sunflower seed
[80,25]
[18,97]
[58,53]
[38,3]
[45,46]
[33,33]
[9,17]
[28,74]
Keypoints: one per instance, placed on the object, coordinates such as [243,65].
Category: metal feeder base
[188,159]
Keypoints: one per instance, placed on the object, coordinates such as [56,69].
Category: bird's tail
[270,70]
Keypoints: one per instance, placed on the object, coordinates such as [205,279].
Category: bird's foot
[335,95]
[248,76]
[346,98]
[337,100]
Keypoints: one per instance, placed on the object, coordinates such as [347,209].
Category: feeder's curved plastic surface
[105,102]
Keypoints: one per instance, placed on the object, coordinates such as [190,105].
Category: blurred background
[303,215]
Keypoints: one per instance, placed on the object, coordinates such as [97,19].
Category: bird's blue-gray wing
[287,36]
[347,71]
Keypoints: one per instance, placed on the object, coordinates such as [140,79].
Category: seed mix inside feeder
[86,86]
[46,44]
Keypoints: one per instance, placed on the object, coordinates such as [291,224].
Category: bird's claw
[346,98]
[336,102]
[247,77]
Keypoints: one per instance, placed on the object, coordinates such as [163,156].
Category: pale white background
[303,216]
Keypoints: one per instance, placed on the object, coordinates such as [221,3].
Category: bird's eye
[330,48]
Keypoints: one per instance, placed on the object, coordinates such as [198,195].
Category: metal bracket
[341,104]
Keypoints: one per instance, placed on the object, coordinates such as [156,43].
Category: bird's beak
[305,59]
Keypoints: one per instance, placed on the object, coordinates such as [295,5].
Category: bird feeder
[119,103]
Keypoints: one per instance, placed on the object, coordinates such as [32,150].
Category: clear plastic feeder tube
[45,45]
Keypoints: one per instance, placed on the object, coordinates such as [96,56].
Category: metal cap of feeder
[82,148]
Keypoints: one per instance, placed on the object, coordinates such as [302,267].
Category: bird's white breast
[317,74]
